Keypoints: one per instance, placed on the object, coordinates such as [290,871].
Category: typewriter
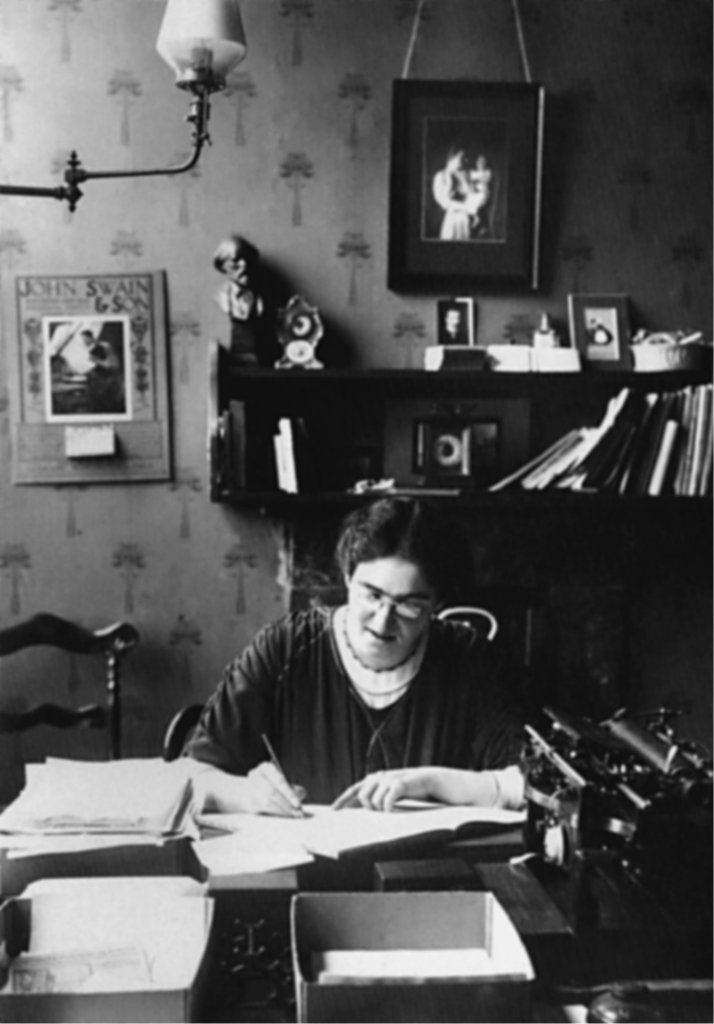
[619,821]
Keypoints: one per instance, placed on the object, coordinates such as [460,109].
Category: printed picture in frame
[88,369]
[92,357]
[465,185]
[600,330]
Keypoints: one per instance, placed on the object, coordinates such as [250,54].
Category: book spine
[705,481]
[685,417]
[660,416]
[701,425]
[285,458]
[639,447]
[664,456]
[285,452]
[557,447]
[691,436]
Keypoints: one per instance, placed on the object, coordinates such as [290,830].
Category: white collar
[378,689]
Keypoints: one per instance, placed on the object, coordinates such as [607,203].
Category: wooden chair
[480,619]
[179,730]
[113,642]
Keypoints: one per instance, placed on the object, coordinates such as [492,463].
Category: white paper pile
[143,796]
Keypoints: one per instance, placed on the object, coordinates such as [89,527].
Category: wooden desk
[251,979]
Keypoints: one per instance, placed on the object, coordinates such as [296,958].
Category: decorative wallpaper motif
[65,8]
[299,14]
[243,88]
[687,255]
[126,87]
[300,165]
[297,168]
[130,562]
[238,560]
[355,251]
[15,561]
[10,82]
[186,484]
[127,248]
[356,91]
[184,330]
[408,331]
[185,636]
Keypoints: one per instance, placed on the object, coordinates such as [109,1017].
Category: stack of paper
[144,796]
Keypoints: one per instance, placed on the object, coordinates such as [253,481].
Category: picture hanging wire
[413,38]
[521,42]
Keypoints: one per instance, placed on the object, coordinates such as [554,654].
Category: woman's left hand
[380,791]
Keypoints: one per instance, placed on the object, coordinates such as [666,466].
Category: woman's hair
[412,530]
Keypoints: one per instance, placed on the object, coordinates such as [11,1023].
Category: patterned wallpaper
[299,164]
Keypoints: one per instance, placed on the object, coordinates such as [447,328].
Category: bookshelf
[345,429]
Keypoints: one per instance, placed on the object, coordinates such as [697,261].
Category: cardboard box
[466,923]
[171,857]
[171,1002]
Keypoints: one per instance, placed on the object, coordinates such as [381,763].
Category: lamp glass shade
[202,34]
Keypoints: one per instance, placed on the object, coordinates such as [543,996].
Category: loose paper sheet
[329,833]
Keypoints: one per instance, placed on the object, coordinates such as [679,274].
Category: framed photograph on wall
[600,330]
[465,184]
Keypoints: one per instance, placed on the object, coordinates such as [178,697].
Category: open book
[331,833]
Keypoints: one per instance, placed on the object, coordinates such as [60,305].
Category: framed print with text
[92,362]
[465,185]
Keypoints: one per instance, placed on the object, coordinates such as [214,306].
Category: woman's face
[389,606]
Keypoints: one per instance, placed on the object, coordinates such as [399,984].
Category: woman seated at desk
[371,702]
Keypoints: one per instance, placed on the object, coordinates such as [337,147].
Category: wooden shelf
[237,382]
[636,507]
[347,413]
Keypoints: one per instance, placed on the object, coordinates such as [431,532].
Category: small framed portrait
[465,184]
[88,368]
[456,322]
[600,330]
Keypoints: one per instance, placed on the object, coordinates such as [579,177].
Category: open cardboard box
[172,856]
[169,934]
[490,977]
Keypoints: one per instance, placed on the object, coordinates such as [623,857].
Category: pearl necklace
[361,675]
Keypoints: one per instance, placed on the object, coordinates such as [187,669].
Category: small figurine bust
[238,260]
[299,330]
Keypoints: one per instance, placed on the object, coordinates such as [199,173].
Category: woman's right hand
[264,790]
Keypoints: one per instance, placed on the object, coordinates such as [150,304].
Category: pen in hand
[279,768]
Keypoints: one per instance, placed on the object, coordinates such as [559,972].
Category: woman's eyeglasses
[406,608]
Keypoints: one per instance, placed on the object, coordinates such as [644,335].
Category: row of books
[646,443]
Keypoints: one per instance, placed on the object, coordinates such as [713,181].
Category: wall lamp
[202,40]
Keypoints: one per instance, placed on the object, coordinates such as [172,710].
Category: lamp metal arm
[75,174]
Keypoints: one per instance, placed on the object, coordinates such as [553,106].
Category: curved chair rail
[465,613]
[53,631]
